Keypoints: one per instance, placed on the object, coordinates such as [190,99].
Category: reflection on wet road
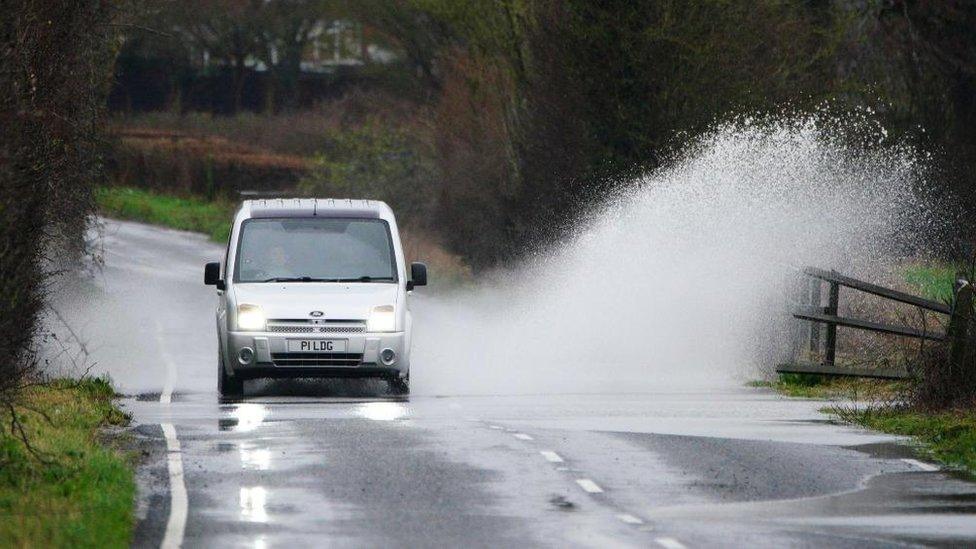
[741,468]
[342,464]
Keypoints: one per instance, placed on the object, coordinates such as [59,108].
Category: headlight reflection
[382,411]
[253,502]
[248,416]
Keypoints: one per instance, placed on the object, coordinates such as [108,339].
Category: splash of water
[682,281]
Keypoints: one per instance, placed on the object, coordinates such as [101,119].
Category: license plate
[316,345]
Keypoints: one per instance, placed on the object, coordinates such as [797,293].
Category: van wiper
[313,279]
[298,279]
[366,279]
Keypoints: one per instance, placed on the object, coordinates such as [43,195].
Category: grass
[833,387]
[933,281]
[187,214]
[949,437]
[73,490]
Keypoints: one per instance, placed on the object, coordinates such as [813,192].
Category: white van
[313,288]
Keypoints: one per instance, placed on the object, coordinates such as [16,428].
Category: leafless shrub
[55,66]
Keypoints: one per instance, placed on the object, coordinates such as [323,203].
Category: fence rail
[820,315]
[835,278]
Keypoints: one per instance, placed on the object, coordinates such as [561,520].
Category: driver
[280,263]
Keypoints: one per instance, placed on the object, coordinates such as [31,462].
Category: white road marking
[522,436]
[669,543]
[495,427]
[589,486]
[921,465]
[551,457]
[176,525]
[178,508]
[629,519]
[167,395]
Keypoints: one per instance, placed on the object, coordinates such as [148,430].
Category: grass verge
[834,387]
[187,214]
[72,490]
[949,437]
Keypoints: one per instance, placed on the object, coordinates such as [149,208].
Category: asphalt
[344,464]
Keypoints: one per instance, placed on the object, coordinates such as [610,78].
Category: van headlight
[250,318]
[382,319]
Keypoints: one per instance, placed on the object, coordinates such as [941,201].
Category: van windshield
[315,250]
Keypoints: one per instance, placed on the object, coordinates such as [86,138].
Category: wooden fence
[827,316]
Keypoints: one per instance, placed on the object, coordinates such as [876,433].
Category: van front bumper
[270,357]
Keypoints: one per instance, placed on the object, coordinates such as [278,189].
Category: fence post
[814,326]
[962,308]
[830,345]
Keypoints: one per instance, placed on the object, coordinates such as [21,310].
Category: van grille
[305,327]
[316,359]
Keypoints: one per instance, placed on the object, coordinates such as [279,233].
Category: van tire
[227,386]
[399,386]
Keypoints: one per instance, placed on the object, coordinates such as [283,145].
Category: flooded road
[344,464]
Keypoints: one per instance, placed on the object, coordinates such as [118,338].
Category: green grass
[933,281]
[73,490]
[188,214]
[949,437]
[833,387]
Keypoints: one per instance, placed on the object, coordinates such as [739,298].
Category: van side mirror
[418,275]
[211,275]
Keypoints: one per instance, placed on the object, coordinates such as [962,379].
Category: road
[342,464]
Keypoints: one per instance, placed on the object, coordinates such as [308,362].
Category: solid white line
[589,486]
[551,457]
[176,525]
[921,465]
[669,543]
[166,396]
[179,505]
[629,519]
[522,436]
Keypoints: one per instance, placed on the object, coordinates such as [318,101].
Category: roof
[310,207]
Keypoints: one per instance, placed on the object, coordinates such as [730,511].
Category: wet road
[342,464]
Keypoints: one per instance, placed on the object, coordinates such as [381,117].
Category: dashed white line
[176,525]
[629,519]
[522,436]
[669,543]
[589,486]
[921,465]
[551,457]
[495,427]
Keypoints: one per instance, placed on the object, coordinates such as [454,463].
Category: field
[186,214]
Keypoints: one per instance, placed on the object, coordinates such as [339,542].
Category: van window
[315,249]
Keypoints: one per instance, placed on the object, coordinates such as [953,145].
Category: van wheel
[399,386]
[227,386]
